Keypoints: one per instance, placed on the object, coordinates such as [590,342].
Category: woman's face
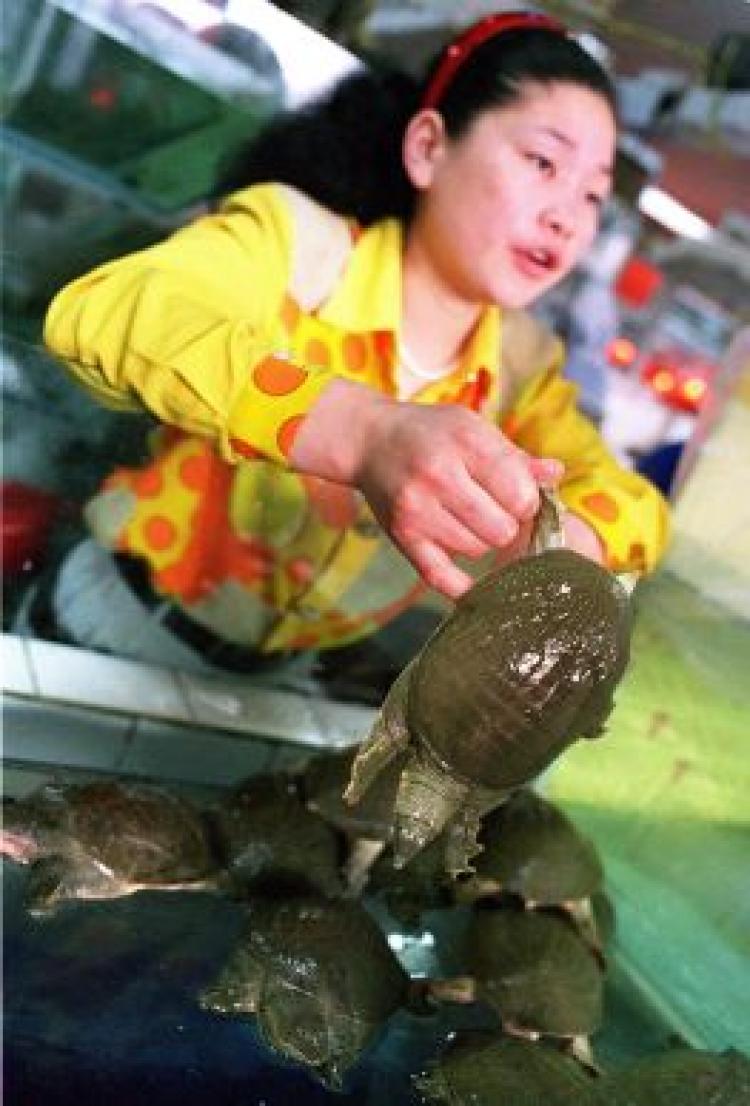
[506,210]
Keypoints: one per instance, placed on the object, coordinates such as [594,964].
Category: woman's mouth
[537,263]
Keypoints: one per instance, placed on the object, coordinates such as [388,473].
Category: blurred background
[117,116]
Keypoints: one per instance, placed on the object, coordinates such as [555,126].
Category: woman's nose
[559,221]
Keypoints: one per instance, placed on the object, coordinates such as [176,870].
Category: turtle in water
[411,891]
[367,825]
[538,974]
[530,848]
[527,662]
[681,1077]
[318,975]
[264,832]
[493,1070]
[105,839]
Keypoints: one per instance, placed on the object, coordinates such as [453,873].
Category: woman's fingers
[439,479]
[438,570]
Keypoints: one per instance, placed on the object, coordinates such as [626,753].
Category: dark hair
[344,149]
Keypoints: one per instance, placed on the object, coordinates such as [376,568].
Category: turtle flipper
[389,737]
[462,843]
[52,879]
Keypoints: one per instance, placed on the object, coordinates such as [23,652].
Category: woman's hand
[440,480]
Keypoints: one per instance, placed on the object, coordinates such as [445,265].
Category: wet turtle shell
[411,891]
[319,976]
[486,1070]
[537,973]
[682,1077]
[105,839]
[263,832]
[527,662]
[532,849]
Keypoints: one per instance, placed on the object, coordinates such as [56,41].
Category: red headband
[463,47]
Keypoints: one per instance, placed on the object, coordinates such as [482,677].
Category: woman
[341,356]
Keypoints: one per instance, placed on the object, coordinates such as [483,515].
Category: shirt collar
[369,298]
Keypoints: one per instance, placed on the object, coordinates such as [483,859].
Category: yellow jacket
[228,331]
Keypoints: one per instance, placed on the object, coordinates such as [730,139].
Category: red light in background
[621,352]
[102,97]
[638,282]
[680,380]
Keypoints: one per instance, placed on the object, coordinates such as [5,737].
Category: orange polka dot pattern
[282,387]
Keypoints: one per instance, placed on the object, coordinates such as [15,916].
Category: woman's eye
[542,163]
[596,200]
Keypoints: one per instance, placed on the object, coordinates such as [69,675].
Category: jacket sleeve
[192,330]
[627,512]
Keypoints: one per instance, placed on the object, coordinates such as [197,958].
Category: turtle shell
[491,1070]
[682,1077]
[264,833]
[141,834]
[536,971]
[533,850]
[319,975]
[527,662]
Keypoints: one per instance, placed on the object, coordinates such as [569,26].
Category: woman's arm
[628,515]
[440,480]
[191,329]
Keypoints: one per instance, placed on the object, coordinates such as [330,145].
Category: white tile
[159,751]
[16,671]
[343,724]
[234,705]
[71,675]
[35,732]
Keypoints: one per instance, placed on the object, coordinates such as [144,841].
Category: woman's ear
[423,147]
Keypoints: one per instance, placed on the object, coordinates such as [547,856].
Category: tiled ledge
[60,674]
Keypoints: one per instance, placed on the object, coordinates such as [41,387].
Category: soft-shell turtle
[422,885]
[527,662]
[682,1077]
[264,832]
[319,976]
[367,824]
[502,1071]
[530,848]
[105,839]
[538,974]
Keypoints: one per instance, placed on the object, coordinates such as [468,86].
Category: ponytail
[343,150]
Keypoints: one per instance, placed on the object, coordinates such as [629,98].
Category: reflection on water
[101,1007]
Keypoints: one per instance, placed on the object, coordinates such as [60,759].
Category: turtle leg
[580,1048]
[581,911]
[237,988]
[389,737]
[462,844]
[364,852]
[52,879]
[460,989]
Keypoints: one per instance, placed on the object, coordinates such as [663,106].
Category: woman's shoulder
[319,240]
[527,344]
